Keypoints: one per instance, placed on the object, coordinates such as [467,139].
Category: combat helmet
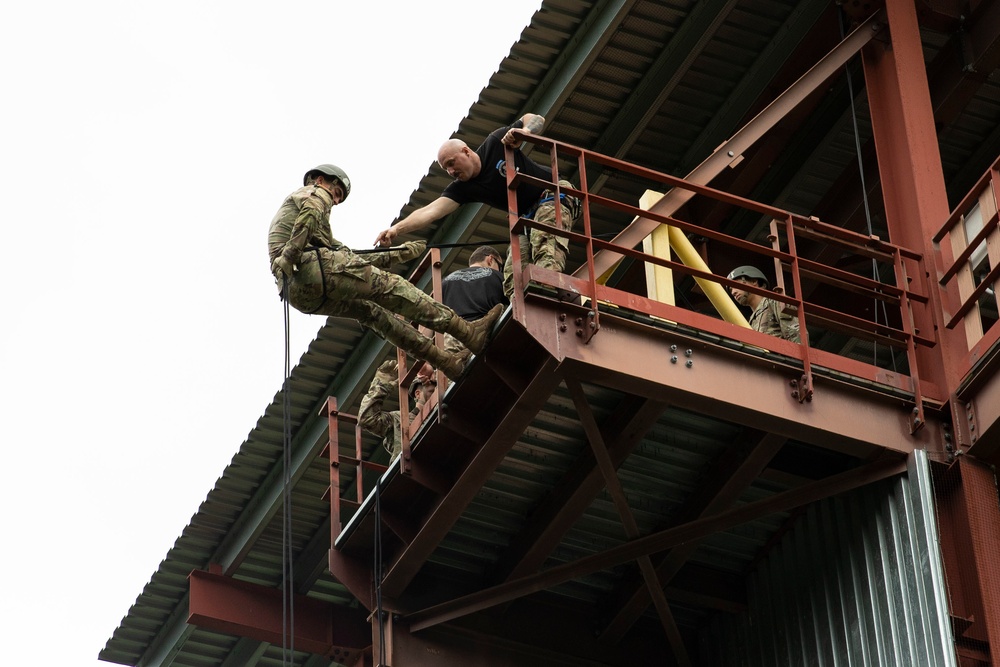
[749,272]
[331,170]
[417,385]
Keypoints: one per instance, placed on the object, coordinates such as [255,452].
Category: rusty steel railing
[788,232]
[431,261]
[907,291]
[971,232]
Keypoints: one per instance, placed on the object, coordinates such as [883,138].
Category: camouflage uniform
[547,250]
[333,280]
[385,424]
[768,318]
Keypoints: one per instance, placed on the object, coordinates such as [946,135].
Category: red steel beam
[979,432]
[223,604]
[913,187]
[449,508]
[545,528]
[734,148]
[614,486]
[656,542]
[967,61]
[969,520]
[750,390]
[669,566]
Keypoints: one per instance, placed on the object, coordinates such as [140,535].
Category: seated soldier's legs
[508,265]
[546,250]
[549,251]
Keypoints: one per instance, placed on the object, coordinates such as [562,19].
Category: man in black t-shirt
[472,292]
[480,176]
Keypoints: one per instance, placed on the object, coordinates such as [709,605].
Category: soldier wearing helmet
[318,274]
[387,424]
[767,316]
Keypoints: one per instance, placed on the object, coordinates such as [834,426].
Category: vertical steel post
[913,187]
[334,446]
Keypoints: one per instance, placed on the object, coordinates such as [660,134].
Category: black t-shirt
[490,185]
[473,291]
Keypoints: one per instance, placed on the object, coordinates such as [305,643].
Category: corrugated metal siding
[857,581]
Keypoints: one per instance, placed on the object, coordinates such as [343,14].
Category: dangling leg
[402,335]
[398,295]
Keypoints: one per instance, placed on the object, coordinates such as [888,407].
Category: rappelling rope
[864,195]
[379,616]
[369,251]
[287,585]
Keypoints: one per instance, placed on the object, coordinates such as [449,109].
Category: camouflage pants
[327,285]
[547,250]
[453,346]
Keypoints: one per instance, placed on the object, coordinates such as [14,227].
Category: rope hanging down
[287,575]
[466,244]
[369,251]
[864,195]
[377,568]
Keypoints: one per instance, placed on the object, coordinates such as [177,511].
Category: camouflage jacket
[373,419]
[768,318]
[303,221]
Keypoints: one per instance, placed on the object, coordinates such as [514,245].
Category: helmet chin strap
[323,184]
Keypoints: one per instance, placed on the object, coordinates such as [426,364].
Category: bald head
[460,161]
[449,148]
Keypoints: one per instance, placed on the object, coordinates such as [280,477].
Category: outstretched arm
[371,416]
[419,219]
[531,123]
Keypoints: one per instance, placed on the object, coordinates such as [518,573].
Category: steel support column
[969,518]
[916,202]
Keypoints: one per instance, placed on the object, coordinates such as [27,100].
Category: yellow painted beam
[688,255]
[659,279]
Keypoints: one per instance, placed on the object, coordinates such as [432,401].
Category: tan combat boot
[450,364]
[474,334]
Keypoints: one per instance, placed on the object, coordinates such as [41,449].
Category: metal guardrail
[972,237]
[788,230]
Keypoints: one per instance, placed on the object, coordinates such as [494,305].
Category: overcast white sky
[145,147]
